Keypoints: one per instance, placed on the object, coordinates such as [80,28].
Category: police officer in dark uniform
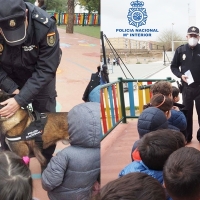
[187,57]
[29,57]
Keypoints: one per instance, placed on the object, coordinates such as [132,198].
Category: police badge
[51,39]
[184,56]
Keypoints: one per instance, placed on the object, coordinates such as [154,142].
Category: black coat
[94,82]
[32,65]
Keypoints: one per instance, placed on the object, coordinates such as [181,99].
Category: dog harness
[34,130]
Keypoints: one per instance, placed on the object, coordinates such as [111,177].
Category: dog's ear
[4,96]
[11,95]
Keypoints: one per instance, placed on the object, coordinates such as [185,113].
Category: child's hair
[182,175]
[40,3]
[156,146]
[175,92]
[163,87]
[15,177]
[160,101]
[133,186]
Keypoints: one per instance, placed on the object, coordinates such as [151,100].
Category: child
[153,118]
[154,148]
[162,87]
[182,175]
[133,186]
[15,177]
[72,173]
[178,120]
[175,94]
[174,120]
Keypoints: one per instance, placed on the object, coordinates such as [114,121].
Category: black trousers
[191,95]
[45,101]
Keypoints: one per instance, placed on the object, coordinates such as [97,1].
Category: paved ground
[81,56]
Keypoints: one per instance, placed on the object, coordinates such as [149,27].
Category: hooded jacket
[71,174]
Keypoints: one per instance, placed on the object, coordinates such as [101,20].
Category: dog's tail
[37,152]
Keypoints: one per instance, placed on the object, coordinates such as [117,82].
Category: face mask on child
[193,41]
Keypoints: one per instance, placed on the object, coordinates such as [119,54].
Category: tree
[91,5]
[57,5]
[70,21]
[165,39]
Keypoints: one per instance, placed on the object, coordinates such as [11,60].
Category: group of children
[162,166]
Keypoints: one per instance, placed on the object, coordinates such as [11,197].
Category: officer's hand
[10,107]
[184,78]
[16,91]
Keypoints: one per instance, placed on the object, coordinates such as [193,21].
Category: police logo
[193,29]
[184,56]
[137,16]
[1,48]
[12,23]
[51,39]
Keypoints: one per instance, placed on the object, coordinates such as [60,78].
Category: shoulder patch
[1,48]
[51,39]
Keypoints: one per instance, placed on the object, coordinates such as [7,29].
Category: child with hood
[72,173]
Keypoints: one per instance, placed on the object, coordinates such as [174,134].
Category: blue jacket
[139,166]
[177,120]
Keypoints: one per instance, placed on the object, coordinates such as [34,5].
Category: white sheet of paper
[190,79]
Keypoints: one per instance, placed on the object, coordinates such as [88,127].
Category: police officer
[187,57]
[29,57]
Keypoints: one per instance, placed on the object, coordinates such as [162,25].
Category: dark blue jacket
[177,121]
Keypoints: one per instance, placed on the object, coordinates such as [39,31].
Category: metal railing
[117,106]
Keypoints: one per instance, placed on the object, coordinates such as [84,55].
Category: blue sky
[161,14]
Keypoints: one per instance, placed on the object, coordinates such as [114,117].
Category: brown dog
[56,129]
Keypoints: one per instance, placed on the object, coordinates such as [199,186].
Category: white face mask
[192,41]
[36,3]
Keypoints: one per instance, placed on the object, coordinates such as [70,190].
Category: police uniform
[30,66]
[188,58]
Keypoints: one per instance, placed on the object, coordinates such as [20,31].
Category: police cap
[12,21]
[193,30]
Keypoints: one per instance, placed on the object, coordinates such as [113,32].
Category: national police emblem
[137,16]
[51,39]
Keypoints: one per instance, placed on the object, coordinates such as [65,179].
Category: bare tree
[70,21]
[165,39]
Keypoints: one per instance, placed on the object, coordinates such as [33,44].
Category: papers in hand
[190,79]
